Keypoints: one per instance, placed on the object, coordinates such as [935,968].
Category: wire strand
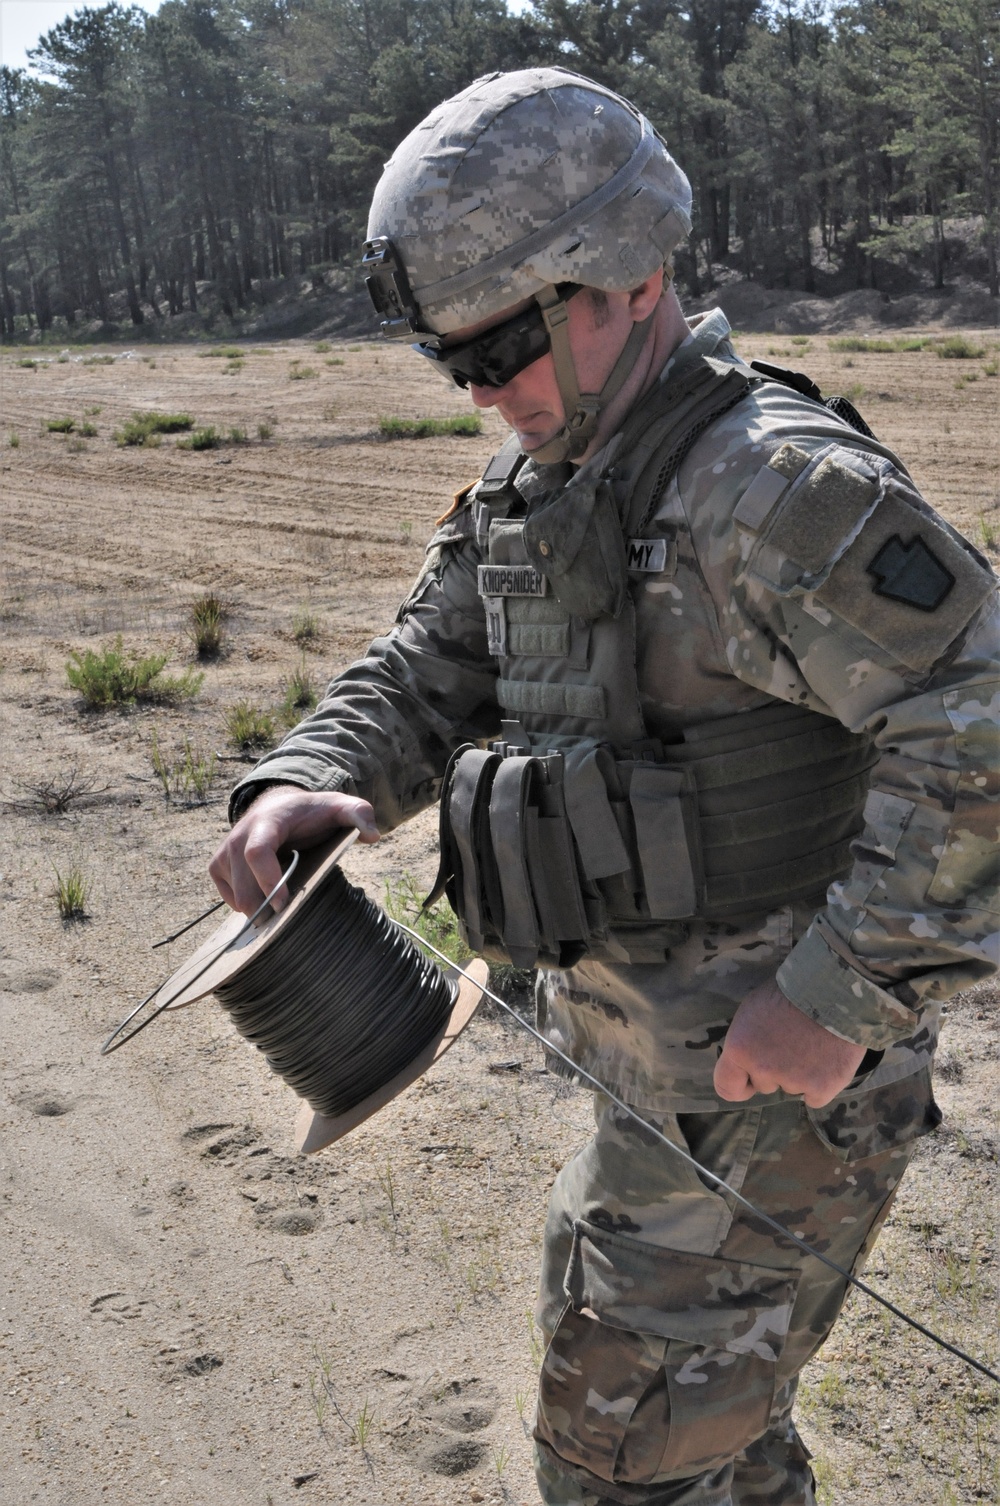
[723,1186]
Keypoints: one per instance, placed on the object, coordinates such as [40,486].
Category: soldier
[737,678]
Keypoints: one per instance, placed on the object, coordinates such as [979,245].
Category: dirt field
[188,1312]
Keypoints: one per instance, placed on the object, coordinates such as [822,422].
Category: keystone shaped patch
[911,573]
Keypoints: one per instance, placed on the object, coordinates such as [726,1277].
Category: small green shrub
[86,429]
[250,727]
[799,339]
[28,363]
[117,678]
[208,614]
[71,893]
[302,373]
[264,432]
[94,410]
[232,367]
[60,425]
[958,348]
[854,392]
[425,428]
[991,369]
[322,347]
[201,439]
[335,361]
[99,361]
[223,352]
[237,435]
[989,529]
[14,440]
[142,428]
[305,627]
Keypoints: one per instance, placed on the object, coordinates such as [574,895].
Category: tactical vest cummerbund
[556,855]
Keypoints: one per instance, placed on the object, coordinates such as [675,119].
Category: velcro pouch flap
[699,1299]
[595,830]
[657,795]
[576,541]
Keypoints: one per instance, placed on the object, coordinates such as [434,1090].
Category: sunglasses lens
[496,357]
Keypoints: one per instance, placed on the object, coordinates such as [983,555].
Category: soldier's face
[530,403]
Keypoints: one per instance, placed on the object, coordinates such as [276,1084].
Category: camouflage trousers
[676,1323]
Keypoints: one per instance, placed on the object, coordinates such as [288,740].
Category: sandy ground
[189,1313]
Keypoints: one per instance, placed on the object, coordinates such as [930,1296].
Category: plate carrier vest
[578,834]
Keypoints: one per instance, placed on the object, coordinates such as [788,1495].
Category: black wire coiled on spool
[341,1000]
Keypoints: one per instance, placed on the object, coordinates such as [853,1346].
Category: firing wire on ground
[723,1186]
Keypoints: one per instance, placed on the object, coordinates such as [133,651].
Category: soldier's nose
[485,397]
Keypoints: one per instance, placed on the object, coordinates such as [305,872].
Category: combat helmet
[525,185]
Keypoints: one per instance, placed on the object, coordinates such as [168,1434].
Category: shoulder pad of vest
[502,468]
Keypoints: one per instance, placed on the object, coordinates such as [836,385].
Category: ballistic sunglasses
[498,355]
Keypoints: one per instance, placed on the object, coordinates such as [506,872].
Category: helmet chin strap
[582,410]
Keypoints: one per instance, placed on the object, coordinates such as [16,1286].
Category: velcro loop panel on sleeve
[824,508]
[541,698]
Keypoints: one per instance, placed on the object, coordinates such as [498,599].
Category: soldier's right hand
[246,866]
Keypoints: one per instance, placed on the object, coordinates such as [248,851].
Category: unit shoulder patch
[911,573]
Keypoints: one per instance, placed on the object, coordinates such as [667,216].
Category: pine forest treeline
[193,161]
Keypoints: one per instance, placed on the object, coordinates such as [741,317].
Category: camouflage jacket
[916,919]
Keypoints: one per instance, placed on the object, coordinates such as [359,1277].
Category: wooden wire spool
[347,1010]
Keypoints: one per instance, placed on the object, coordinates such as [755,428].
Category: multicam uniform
[676,1323]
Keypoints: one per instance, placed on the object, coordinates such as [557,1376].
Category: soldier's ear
[643,299]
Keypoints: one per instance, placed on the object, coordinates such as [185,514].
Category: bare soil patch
[189,1313]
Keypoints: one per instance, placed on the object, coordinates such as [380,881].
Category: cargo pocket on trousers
[663,1362]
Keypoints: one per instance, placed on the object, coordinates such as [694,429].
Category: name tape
[647,554]
[511,580]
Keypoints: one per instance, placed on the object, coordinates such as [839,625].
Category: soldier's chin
[534,439]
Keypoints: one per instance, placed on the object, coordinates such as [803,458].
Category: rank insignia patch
[911,573]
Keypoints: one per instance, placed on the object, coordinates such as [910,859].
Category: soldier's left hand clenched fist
[771,1044]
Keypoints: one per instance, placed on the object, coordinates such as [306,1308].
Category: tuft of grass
[301,373]
[855,391]
[879,345]
[989,530]
[237,435]
[190,774]
[335,361]
[322,347]
[250,728]
[86,429]
[99,361]
[144,428]
[208,614]
[264,432]
[992,368]
[799,339]
[223,352]
[14,440]
[232,367]
[60,425]
[439,924]
[959,348]
[201,439]
[115,677]
[300,696]
[28,363]
[94,410]
[425,428]
[71,893]
[305,627]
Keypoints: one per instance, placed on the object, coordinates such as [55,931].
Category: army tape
[744,1202]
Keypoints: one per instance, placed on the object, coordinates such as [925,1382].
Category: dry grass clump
[250,728]
[145,428]
[207,625]
[71,893]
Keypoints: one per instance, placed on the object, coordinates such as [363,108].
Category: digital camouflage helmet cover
[524,185]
